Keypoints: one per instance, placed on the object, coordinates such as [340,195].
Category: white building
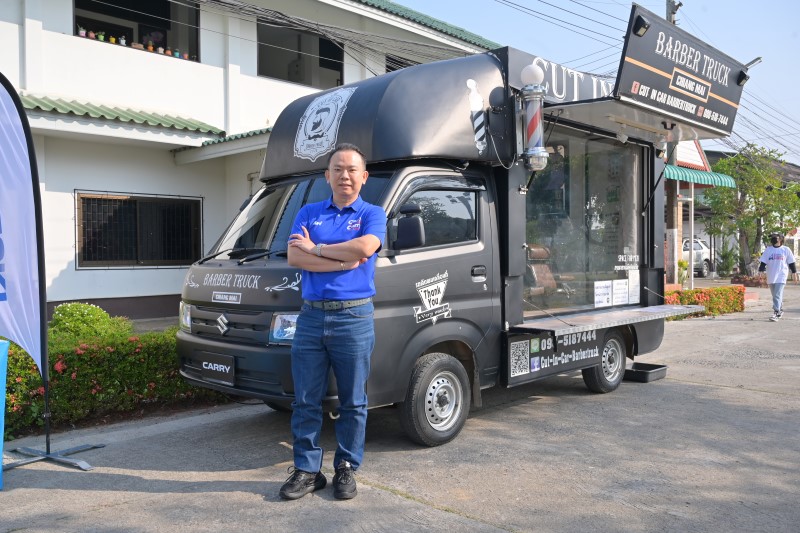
[144,157]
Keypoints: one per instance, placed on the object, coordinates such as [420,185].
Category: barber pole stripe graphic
[533,109]
[479,127]
[478,115]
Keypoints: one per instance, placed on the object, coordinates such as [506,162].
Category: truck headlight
[185,316]
[282,329]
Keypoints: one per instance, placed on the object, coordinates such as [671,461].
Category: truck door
[443,290]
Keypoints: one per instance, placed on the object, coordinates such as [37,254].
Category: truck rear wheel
[437,401]
[607,376]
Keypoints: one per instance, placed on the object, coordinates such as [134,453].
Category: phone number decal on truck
[535,356]
[575,338]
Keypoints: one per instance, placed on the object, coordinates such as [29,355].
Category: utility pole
[671,188]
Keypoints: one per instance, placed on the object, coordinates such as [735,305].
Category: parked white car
[701,254]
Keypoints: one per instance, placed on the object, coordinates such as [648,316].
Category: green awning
[702,177]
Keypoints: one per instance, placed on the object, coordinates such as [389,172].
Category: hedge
[103,369]
[717,300]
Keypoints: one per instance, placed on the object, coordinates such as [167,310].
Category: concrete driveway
[715,446]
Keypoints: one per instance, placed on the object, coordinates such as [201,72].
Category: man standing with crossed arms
[335,243]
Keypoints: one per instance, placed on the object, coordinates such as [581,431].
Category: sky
[587,35]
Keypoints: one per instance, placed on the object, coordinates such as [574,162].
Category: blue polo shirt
[327,224]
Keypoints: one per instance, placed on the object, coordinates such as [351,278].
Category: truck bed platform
[600,319]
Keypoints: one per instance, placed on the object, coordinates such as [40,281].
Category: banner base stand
[58,457]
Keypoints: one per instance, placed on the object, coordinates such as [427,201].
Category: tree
[761,202]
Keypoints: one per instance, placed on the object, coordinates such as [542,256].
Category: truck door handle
[479,270]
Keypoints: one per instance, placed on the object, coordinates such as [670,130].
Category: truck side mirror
[410,229]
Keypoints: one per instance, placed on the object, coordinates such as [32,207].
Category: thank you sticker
[431,292]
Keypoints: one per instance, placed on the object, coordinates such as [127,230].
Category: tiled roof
[689,154]
[237,136]
[430,22]
[57,105]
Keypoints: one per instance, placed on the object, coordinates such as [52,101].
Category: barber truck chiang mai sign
[666,69]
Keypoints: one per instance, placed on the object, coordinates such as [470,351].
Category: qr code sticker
[520,358]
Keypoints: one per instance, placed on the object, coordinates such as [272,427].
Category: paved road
[713,447]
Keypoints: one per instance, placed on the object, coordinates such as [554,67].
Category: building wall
[67,166]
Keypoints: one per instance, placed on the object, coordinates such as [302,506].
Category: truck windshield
[264,224]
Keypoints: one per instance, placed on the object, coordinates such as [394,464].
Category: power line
[593,54]
[582,16]
[547,18]
[601,12]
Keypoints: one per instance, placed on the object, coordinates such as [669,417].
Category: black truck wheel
[607,376]
[437,401]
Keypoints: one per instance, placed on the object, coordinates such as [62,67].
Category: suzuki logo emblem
[222,324]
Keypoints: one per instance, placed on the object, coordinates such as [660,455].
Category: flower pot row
[101,36]
[150,47]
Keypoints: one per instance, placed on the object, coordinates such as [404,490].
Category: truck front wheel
[437,401]
[607,376]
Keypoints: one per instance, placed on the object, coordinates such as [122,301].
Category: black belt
[335,305]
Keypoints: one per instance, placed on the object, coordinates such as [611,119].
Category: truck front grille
[233,325]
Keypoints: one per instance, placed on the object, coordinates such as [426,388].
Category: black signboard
[667,69]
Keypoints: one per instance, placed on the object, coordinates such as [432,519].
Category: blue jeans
[777,296]
[341,340]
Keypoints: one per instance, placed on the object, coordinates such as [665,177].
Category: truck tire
[607,376]
[437,402]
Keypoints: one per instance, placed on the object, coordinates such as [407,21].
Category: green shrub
[717,300]
[727,258]
[102,374]
[87,321]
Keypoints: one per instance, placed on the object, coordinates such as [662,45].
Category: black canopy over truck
[490,274]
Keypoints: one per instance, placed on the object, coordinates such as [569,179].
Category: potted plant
[683,271]
[101,36]
[81,31]
[160,49]
[112,40]
[122,40]
[90,34]
[149,46]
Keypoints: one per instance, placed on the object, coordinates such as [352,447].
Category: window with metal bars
[124,230]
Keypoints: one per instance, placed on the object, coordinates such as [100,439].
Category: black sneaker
[344,482]
[301,483]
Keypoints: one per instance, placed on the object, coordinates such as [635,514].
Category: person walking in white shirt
[776,261]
